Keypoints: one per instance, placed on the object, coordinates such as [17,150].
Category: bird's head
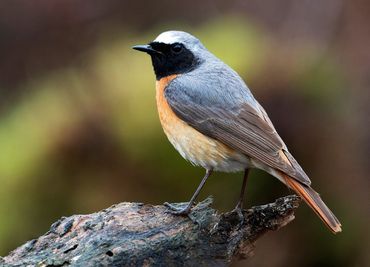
[174,52]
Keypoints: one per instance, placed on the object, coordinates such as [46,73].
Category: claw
[177,210]
[239,211]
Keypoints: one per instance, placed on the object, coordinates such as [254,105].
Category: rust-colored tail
[312,198]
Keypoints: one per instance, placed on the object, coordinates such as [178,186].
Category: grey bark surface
[136,234]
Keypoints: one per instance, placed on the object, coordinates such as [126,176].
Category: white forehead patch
[169,37]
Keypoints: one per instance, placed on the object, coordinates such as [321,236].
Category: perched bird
[212,119]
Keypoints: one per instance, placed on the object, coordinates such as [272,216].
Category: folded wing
[244,127]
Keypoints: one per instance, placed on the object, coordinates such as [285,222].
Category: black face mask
[168,59]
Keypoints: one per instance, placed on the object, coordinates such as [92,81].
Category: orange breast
[191,144]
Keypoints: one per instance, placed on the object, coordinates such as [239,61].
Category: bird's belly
[194,146]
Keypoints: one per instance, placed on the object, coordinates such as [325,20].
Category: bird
[211,117]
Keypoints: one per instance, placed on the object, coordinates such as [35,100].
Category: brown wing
[246,129]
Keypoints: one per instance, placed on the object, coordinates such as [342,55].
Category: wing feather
[246,129]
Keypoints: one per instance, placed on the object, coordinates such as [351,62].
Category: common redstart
[212,119]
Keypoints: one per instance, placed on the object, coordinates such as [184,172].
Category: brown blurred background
[79,129]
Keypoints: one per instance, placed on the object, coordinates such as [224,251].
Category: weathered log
[136,234]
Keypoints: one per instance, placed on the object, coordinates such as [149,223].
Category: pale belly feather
[195,147]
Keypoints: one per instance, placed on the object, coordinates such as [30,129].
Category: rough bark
[136,234]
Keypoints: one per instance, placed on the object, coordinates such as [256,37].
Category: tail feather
[312,198]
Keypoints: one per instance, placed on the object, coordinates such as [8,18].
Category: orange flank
[192,145]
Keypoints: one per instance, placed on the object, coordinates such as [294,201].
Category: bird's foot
[238,210]
[178,209]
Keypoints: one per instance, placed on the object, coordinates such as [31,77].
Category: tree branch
[135,234]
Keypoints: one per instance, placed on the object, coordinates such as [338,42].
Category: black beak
[145,48]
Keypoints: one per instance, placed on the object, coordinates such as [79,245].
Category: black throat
[172,59]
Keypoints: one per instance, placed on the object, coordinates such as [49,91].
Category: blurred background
[79,129]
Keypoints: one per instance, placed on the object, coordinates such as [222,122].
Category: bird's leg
[239,206]
[186,210]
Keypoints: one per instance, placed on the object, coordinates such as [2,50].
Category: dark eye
[176,48]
